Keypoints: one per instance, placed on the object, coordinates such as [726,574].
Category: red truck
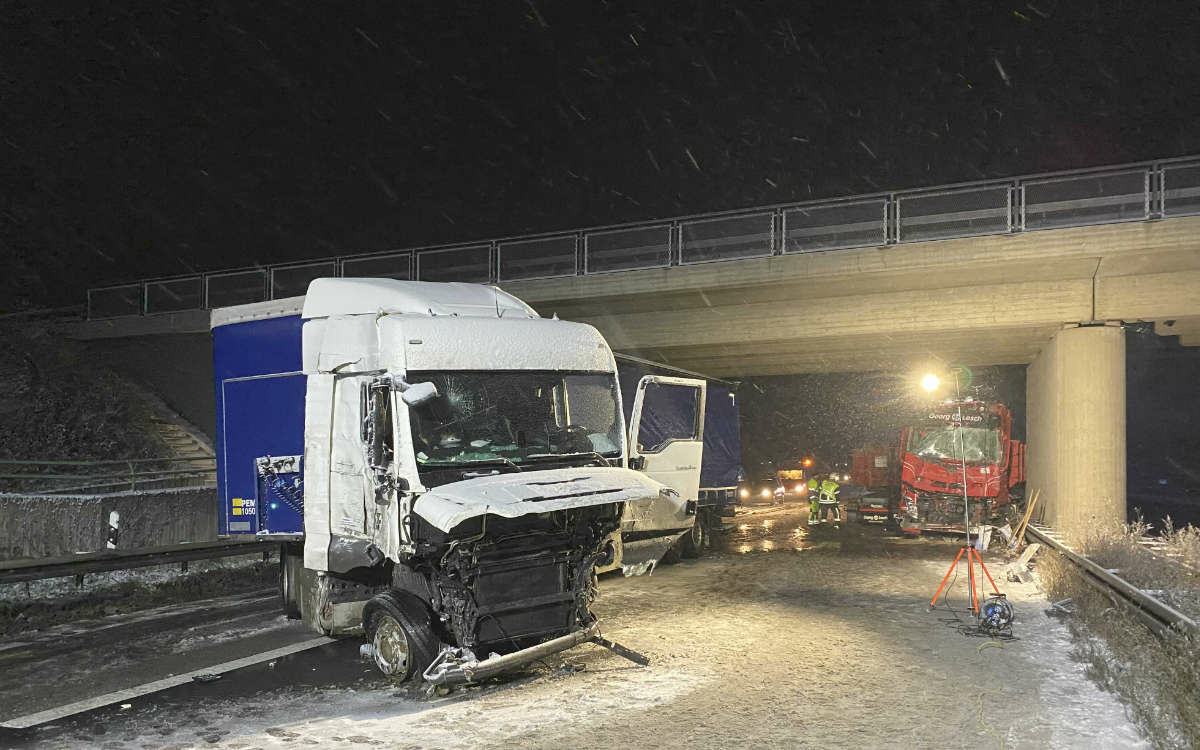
[921,481]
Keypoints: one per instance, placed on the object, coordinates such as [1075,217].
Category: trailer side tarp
[722,439]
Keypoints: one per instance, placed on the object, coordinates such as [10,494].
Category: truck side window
[669,413]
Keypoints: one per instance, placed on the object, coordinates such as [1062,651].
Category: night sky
[179,137]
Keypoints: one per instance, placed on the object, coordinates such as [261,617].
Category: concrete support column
[1075,425]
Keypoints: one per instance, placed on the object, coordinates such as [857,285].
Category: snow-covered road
[783,638]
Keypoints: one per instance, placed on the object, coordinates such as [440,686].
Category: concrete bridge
[978,300]
[1054,300]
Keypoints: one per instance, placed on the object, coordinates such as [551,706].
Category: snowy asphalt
[783,636]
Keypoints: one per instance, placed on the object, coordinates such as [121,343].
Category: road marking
[70,709]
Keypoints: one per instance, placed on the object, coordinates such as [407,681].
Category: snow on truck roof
[328,297]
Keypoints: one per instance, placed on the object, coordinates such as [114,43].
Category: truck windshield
[515,417]
[982,445]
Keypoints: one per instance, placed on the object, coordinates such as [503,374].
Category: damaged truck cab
[444,464]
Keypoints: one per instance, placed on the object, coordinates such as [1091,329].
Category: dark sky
[175,137]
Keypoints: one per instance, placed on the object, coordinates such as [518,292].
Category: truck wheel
[291,562]
[399,628]
[692,543]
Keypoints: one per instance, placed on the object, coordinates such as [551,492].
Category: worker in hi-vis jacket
[827,499]
[814,498]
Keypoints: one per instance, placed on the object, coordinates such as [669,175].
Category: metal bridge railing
[1134,192]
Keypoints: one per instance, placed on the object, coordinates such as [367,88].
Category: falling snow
[178,140]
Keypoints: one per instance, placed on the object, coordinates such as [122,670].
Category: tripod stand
[972,557]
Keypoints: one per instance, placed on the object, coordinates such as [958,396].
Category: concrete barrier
[52,526]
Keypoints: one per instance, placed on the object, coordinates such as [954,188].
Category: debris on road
[1018,572]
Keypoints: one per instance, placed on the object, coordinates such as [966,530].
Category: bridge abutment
[1075,423]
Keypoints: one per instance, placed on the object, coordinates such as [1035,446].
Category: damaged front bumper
[455,665]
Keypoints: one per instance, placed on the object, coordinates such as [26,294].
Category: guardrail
[1134,192]
[47,477]
[1160,617]
[36,569]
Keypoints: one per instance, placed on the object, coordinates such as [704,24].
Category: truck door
[666,442]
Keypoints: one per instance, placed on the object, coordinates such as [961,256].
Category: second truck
[918,484]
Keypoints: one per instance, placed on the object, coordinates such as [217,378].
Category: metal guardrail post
[1014,207]
[891,230]
[1157,191]
[1148,194]
[1021,207]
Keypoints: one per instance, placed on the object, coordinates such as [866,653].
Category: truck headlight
[743,493]
[766,492]
[799,489]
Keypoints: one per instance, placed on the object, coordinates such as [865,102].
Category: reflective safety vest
[813,486]
[829,490]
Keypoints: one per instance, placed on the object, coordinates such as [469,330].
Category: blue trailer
[260,387]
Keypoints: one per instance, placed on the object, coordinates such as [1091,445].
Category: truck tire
[399,628]
[291,562]
[692,543]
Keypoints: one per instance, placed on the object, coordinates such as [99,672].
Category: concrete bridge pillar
[1075,424]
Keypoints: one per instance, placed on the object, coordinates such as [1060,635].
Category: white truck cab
[464,462]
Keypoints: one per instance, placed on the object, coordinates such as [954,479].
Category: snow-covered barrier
[53,526]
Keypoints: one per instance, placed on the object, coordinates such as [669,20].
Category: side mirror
[419,393]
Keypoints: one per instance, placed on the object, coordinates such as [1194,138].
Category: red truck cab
[932,455]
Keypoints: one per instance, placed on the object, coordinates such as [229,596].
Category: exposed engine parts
[495,587]
[942,508]
[518,580]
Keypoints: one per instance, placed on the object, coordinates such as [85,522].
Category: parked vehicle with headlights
[765,488]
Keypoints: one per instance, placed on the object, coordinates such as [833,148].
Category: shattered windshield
[515,417]
[982,445]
